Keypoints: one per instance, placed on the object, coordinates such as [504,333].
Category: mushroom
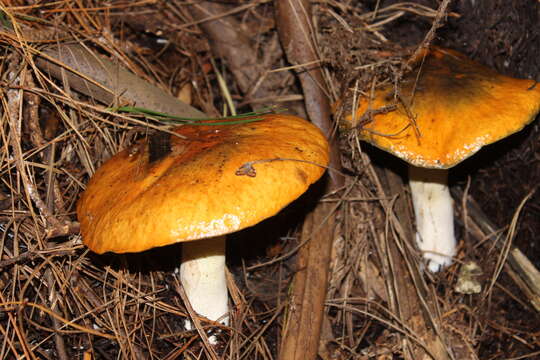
[447,108]
[208,181]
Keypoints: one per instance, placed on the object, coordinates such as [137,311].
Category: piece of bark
[301,329]
[297,38]
[107,82]
[301,333]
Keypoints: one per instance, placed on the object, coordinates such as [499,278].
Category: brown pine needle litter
[65,65]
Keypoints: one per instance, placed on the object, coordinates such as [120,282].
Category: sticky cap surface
[203,187]
[448,108]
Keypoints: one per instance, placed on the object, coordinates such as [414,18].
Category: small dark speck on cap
[302,175]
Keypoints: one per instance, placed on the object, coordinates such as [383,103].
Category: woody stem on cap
[433,208]
[202,274]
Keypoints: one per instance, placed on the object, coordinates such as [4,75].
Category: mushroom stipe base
[202,275]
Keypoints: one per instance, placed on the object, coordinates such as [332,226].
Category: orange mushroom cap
[449,107]
[214,180]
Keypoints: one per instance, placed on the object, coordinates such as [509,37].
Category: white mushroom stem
[202,274]
[433,207]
